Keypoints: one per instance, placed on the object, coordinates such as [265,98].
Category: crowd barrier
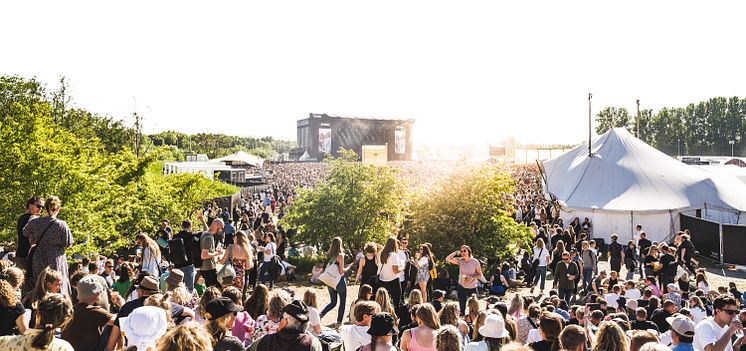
[734,242]
[705,236]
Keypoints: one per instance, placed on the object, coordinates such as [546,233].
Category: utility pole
[637,133]
[590,96]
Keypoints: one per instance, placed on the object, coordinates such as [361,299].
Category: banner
[400,140]
[325,140]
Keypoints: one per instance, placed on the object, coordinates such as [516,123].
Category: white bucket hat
[144,326]
[494,327]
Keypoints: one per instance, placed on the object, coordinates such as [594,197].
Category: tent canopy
[242,157]
[626,174]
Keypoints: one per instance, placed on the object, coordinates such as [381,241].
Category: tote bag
[331,276]
[227,273]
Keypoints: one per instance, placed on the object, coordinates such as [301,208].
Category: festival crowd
[211,286]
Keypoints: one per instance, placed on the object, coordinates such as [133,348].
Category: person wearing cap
[382,328]
[493,331]
[682,332]
[143,327]
[221,316]
[292,334]
[147,286]
[84,331]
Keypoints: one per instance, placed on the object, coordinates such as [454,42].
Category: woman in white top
[336,256]
[702,283]
[151,255]
[697,308]
[542,255]
[424,264]
[269,249]
[389,275]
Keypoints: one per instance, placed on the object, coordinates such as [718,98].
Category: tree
[357,202]
[469,207]
[612,117]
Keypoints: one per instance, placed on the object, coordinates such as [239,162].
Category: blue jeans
[341,290]
[587,278]
[541,273]
[189,274]
[264,277]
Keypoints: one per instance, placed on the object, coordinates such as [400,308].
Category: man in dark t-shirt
[685,253]
[84,330]
[616,254]
[188,268]
[644,245]
[33,209]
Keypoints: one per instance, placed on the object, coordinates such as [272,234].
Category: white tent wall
[659,226]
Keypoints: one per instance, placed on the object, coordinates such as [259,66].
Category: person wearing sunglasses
[470,272]
[715,333]
[33,209]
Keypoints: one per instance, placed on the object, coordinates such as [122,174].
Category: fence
[705,236]
[734,242]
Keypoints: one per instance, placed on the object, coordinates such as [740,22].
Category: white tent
[628,182]
[241,157]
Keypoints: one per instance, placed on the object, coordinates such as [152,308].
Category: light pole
[731,142]
[678,147]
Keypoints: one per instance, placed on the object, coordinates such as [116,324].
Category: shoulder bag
[227,273]
[331,276]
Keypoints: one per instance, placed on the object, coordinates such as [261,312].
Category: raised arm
[452,257]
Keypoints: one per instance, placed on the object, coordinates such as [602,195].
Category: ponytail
[55,310]
[42,340]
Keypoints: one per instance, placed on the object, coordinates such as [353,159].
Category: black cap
[438,294]
[382,324]
[297,309]
[220,307]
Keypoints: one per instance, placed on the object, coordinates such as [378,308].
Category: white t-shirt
[354,336]
[541,255]
[423,261]
[698,314]
[403,261]
[612,300]
[708,332]
[632,294]
[387,272]
[533,336]
[268,257]
[314,319]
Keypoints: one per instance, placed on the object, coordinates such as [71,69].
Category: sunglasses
[730,312]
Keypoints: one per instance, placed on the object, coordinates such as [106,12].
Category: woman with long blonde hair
[384,300]
[425,262]
[192,334]
[241,257]
[335,259]
[389,274]
[151,255]
[449,339]
[449,314]
[516,307]
[540,260]
[49,281]
[610,337]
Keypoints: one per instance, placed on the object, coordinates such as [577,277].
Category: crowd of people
[211,286]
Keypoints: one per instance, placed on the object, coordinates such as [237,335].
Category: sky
[466,71]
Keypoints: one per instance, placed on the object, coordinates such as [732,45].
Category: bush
[304,264]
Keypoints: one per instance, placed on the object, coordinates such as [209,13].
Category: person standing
[425,262]
[541,258]
[630,259]
[643,245]
[589,264]
[240,255]
[50,236]
[685,253]
[151,255]
[210,253]
[389,275]
[187,267]
[336,258]
[470,271]
[565,274]
[33,209]
[404,258]
[616,254]
[368,266]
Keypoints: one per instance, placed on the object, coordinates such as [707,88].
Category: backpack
[197,251]
[177,252]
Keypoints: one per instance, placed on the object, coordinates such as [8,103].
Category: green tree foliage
[357,202]
[219,145]
[469,207]
[108,194]
[612,117]
[704,128]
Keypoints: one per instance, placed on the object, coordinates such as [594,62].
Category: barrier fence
[705,236]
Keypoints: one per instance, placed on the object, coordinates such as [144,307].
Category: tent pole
[590,96]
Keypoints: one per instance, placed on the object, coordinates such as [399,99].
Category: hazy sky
[467,71]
